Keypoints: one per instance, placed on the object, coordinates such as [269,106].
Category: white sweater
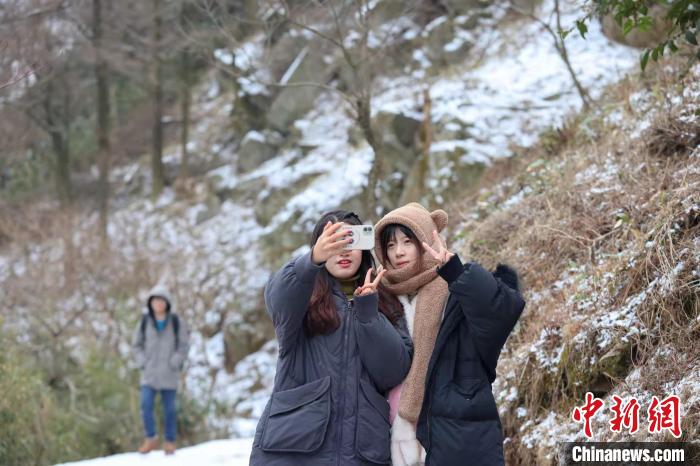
[406,450]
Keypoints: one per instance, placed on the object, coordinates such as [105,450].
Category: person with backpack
[459,317]
[343,344]
[161,343]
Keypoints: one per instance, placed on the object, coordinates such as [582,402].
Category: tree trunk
[157,169]
[415,188]
[103,129]
[372,198]
[63,178]
[59,144]
[185,104]
[57,126]
[185,101]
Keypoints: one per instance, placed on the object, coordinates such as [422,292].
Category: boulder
[293,102]
[249,111]
[245,192]
[257,147]
[635,38]
[448,173]
[271,201]
[246,334]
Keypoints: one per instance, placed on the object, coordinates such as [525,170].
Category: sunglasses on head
[352,214]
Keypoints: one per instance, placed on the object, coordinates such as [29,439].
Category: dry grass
[671,135]
[626,230]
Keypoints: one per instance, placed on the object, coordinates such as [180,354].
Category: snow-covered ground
[234,452]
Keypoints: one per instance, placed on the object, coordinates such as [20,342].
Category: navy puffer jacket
[328,405]
[459,423]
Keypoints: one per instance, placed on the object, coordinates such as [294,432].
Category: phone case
[363,237]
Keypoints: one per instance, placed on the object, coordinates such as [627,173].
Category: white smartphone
[362,236]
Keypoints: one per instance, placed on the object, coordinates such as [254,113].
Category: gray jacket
[155,354]
[328,405]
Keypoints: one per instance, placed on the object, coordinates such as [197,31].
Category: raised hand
[370,286]
[331,242]
[442,254]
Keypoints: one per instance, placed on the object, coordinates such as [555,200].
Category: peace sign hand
[442,254]
[370,286]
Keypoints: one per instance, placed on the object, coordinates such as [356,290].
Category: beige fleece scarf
[432,293]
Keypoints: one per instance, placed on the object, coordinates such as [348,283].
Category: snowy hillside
[483,111]
[561,205]
[209,241]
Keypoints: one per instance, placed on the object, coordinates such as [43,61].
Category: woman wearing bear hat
[459,317]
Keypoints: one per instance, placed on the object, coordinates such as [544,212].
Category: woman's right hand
[370,286]
[331,242]
[442,254]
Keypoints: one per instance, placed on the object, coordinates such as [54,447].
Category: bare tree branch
[559,44]
[60,5]
[17,78]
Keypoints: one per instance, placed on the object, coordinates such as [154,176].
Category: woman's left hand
[370,286]
[442,254]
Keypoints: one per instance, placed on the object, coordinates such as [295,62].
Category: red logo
[586,412]
[665,415]
[627,417]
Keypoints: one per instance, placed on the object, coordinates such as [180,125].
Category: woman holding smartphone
[343,344]
[459,318]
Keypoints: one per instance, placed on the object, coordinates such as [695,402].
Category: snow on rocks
[520,88]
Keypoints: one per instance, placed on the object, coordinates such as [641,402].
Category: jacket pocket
[261,423]
[298,418]
[373,434]
[468,386]
[174,365]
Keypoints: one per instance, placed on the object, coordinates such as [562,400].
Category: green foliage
[128,94]
[63,410]
[191,420]
[26,174]
[22,401]
[582,28]
[684,16]
[83,142]
[48,418]
[103,405]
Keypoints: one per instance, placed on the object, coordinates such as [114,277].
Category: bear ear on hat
[439,216]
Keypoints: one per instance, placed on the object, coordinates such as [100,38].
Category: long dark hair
[389,234]
[322,317]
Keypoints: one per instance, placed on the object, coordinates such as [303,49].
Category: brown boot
[148,445]
[169,448]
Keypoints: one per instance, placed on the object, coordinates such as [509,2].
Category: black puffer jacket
[328,405]
[459,422]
